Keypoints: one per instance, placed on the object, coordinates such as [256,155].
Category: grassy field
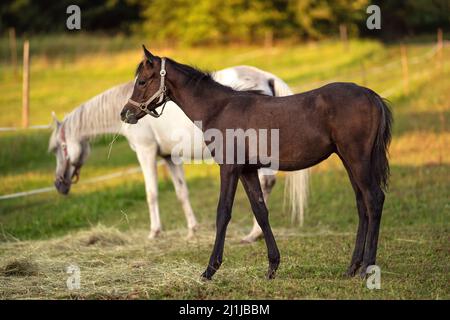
[102,227]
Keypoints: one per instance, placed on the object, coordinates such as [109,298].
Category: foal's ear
[148,54]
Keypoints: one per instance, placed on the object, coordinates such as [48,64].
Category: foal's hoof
[352,270]
[205,276]
[363,272]
[154,234]
[271,274]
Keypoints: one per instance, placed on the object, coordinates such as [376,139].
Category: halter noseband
[160,93]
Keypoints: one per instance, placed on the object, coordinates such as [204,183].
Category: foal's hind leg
[373,198]
[358,252]
[267,181]
[253,189]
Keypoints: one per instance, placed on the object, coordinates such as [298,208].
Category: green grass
[47,232]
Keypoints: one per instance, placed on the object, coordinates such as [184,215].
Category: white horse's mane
[99,115]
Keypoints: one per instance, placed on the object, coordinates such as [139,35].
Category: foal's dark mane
[194,73]
[195,76]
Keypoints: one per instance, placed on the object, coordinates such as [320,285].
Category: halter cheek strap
[63,143]
[76,174]
[159,94]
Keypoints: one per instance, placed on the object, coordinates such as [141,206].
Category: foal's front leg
[253,189]
[229,175]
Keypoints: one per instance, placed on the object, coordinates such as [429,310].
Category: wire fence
[426,57]
[88,181]
[36,127]
[429,55]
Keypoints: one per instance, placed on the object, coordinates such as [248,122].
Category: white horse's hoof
[250,238]
[154,234]
[191,232]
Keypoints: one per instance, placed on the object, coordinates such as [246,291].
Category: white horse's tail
[280,88]
[296,188]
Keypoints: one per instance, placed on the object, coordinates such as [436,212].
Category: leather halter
[76,173]
[62,135]
[160,93]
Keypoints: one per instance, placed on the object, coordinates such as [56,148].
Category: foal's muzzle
[128,116]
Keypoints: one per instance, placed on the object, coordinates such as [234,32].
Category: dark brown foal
[342,118]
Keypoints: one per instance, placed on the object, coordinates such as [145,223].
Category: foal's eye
[141,82]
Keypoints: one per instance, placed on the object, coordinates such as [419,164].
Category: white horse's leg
[177,174]
[267,183]
[147,159]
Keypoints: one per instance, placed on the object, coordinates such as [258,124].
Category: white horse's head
[70,153]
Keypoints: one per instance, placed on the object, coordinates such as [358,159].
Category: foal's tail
[296,188]
[380,163]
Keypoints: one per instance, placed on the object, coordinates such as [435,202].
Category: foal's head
[149,90]
[70,156]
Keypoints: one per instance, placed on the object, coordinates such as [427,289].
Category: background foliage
[215,21]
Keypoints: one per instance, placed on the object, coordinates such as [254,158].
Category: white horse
[150,138]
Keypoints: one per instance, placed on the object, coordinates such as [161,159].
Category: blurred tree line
[49,16]
[221,21]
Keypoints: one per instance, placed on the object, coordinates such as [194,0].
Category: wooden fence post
[404,59]
[13,49]
[439,48]
[26,85]
[268,39]
[363,74]
[344,35]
